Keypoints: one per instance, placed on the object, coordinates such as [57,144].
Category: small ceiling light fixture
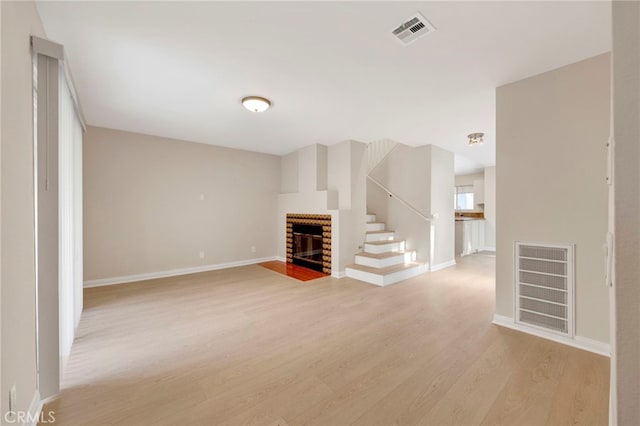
[476,139]
[256,103]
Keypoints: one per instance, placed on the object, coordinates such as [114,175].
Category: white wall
[19,21]
[626,219]
[338,172]
[331,180]
[441,198]
[406,172]
[468,179]
[424,178]
[289,173]
[550,179]
[347,176]
[312,168]
[490,208]
[143,208]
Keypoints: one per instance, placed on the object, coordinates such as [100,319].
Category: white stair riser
[371,218]
[375,226]
[384,280]
[380,237]
[381,263]
[384,248]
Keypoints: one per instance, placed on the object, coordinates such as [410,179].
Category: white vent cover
[544,281]
[413,28]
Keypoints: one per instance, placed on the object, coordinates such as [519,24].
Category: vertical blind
[70,216]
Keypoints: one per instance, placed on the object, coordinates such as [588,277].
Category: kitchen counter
[469,235]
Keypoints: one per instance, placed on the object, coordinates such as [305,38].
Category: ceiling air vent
[413,28]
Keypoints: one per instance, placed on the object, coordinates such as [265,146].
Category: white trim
[596,346]
[382,280]
[42,46]
[442,265]
[35,205]
[488,249]
[281,259]
[579,342]
[35,408]
[173,272]
[64,359]
[74,93]
[339,274]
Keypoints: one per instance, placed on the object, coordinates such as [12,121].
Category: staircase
[384,260]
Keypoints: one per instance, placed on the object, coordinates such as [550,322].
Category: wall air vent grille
[413,28]
[544,284]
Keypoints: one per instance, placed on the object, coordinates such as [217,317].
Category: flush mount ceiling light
[256,103]
[476,139]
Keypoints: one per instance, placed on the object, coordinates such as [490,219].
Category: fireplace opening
[313,245]
[307,246]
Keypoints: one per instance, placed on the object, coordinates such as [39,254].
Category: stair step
[379,235]
[384,246]
[375,226]
[371,218]
[382,260]
[385,276]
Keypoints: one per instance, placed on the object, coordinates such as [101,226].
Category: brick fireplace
[309,241]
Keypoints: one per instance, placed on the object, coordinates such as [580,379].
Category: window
[464,197]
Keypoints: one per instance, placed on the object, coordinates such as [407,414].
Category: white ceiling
[332,69]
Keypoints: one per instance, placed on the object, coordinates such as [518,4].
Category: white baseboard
[280,259]
[579,342]
[35,408]
[488,249]
[594,346]
[174,272]
[339,274]
[443,265]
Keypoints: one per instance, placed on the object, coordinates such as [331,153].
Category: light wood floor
[251,346]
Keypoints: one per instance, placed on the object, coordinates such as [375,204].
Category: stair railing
[391,194]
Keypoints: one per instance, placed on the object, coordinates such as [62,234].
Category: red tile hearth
[294,271]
